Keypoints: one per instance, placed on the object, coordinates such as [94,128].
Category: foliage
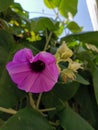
[73,102]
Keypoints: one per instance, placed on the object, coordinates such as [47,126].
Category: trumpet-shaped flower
[34,74]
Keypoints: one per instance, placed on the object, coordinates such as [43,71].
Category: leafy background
[76,102]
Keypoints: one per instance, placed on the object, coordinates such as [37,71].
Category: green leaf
[41,24]
[6,45]
[27,119]
[8,92]
[61,92]
[1,122]
[87,37]
[16,7]
[4,4]
[67,6]
[95,83]
[74,27]
[85,55]
[70,120]
[52,3]
[81,80]
[63,6]
[60,29]
[88,108]
[66,91]
[3,24]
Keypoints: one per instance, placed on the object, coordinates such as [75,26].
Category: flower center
[37,66]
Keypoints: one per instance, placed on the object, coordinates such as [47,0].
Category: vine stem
[32,101]
[54,123]
[10,111]
[38,100]
[47,42]
[48,109]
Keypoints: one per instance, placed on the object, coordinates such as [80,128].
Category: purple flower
[34,74]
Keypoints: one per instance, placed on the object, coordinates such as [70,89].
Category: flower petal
[13,67]
[45,57]
[40,82]
[23,55]
[18,71]
[28,83]
[19,77]
[52,72]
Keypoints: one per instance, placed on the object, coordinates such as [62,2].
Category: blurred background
[83,17]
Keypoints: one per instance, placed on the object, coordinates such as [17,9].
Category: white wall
[93,10]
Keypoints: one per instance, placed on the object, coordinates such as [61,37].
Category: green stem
[38,101]
[47,41]
[54,123]
[10,111]
[32,101]
[48,109]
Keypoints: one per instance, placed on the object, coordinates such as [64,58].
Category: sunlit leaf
[86,37]
[74,27]
[19,10]
[60,29]
[66,7]
[63,6]
[52,3]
